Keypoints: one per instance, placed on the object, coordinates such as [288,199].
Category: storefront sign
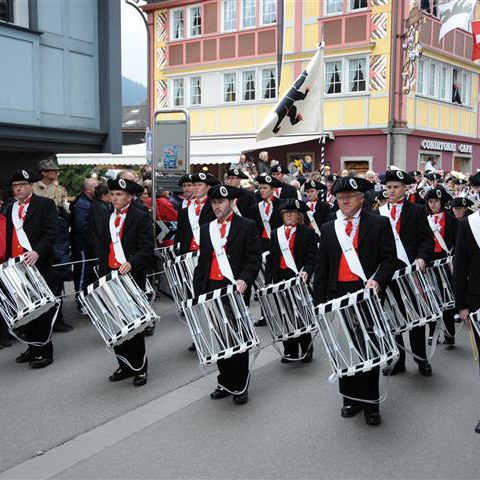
[446,146]
[465,148]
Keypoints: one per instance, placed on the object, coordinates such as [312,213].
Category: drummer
[240,239]
[244,205]
[127,246]
[461,207]
[32,224]
[414,245]
[319,209]
[444,227]
[285,263]
[465,270]
[188,191]
[374,247]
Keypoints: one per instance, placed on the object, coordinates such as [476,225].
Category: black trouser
[233,371]
[133,350]
[448,321]
[362,385]
[473,302]
[83,273]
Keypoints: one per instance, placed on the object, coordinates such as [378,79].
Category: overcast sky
[134,45]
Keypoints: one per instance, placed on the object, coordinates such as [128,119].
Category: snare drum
[410,301]
[118,308]
[288,309]
[179,272]
[220,324]
[439,274]
[24,293]
[260,281]
[355,332]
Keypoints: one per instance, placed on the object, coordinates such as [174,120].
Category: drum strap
[116,240]
[313,222]
[436,231]
[401,252]
[265,218]
[474,222]
[194,224]
[349,250]
[285,249]
[235,208]
[18,225]
[219,246]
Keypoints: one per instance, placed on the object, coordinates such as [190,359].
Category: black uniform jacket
[97,222]
[466,268]
[275,219]
[321,213]
[304,253]
[376,252]
[184,234]
[40,225]
[246,204]
[288,192]
[450,236]
[243,252]
[137,242]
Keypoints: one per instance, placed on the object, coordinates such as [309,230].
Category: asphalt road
[291,427]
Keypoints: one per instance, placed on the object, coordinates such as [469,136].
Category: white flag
[455,14]
[301,108]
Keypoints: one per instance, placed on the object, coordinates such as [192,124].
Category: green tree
[72,176]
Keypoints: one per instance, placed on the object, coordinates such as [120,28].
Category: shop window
[462,164]
[177,31]
[248,13]
[434,159]
[358,167]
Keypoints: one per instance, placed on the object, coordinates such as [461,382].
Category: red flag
[476,40]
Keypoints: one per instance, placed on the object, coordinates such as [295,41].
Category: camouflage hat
[49,163]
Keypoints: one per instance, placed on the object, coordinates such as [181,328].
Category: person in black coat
[319,208]
[303,247]
[411,224]
[40,224]
[445,225]
[372,238]
[244,205]
[136,238]
[98,217]
[284,190]
[243,253]
[461,207]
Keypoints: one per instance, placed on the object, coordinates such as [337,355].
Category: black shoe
[25,357]
[219,393]
[241,399]
[40,362]
[477,428]
[149,331]
[260,323]
[373,418]
[394,370]
[349,411]
[288,359]
[119,374]
[5,343]
[62,327]
[307,358]
[140,379]
[450,342]
[425,369]
[192,348]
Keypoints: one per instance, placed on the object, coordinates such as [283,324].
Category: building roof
[135,117]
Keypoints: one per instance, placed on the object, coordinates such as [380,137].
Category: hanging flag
[455,14]
[476,40]
[301,108]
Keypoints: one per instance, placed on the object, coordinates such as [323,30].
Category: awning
[131,155]
[281,141]
[209,151]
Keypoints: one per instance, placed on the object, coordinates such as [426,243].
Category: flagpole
[323,140]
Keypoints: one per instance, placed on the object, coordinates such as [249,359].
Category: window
[333,6]
[269,89]
[424,157]
[6,10]
[269,11]
[421,77]
[178,92]
[178,27]
[432,79]
[333,77]
[357,4]
[229,87]
[466,86]
[195,90]
[248,85]
[248,13]
[429,6]
[195,21]
[443,83]
[228,15]
[357,75]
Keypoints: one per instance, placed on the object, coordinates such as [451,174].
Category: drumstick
[471,336]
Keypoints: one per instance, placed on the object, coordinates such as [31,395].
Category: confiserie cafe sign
[446,146]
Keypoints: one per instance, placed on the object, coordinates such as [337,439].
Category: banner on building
[455,14]
[476,40]
[300,110]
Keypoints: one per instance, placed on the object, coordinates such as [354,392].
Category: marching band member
[380,200]
[444,227]
[32,224]
[337,274]
[460,207]
[284,190]
[239,262]
[318,210]
[198,212]
[433,179]
[188,190]
[245,204]
[414,244]
[415,188]
[127,246]
[466,268]
[293,248]
[329,197]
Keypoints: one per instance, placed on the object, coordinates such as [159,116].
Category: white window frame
[325,8]
[365,74]
[262,6]
[433,82]
[465,158]
[431,153]
[351,9]
[342,73]
[242,89]
[222,16]
[190,90]
[189,23]
[344,76]
[261,97]
[236,90]
[182,79]
[241,17]
[172,13]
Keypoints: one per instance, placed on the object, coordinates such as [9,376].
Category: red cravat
[267,207]
[117,219]
[288,231]
[349,227]
[393,212]
[435,219]
[312,207]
